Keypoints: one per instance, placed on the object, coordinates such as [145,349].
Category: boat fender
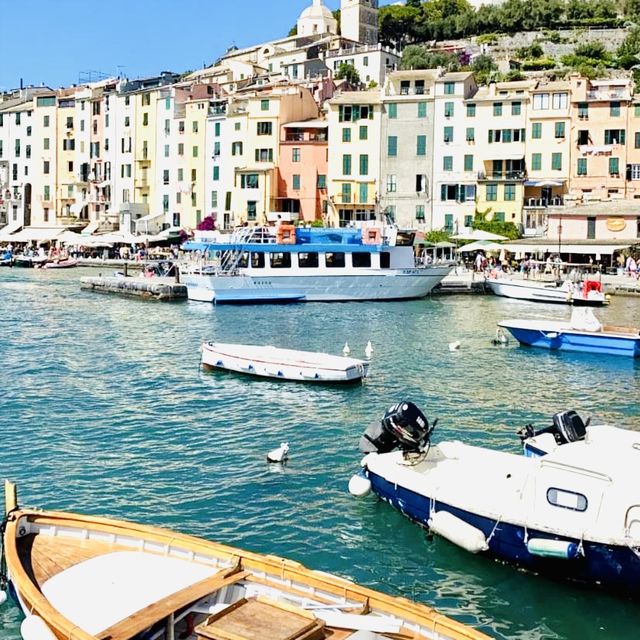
[458,531]
[359,486]
[34,628]
[3,597]
[546,548]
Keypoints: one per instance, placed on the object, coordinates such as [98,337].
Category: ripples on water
[105,410]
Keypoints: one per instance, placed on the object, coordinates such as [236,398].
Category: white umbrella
[481,245]
[479,234]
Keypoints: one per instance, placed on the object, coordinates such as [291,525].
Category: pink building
[302,180]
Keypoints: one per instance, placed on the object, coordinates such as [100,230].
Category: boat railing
[230,259]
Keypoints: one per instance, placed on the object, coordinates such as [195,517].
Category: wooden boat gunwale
[264,566]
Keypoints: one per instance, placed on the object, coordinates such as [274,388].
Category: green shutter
[421,145]
[392,146]
[422,109]
[559,129]
[468,163]
[536,161]
[364,165]
[582,167]
[614,166]
[346,164]
[364,193]
[556,161]
[536,130]
[393,110]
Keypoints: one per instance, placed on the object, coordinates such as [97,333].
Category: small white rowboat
[283,364]
[86,578]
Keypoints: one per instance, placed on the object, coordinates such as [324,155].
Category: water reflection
[107,411]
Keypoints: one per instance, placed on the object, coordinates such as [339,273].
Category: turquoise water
[104,410]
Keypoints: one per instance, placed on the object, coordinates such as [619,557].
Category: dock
[148,288]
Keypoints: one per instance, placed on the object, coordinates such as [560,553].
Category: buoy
[345,350]
[34,628]
[454,346]
[547,548]
[280,454]
[369,349]
[458,531]
[3,597]
[359,486]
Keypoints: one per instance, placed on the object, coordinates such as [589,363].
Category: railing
[503,175]
[230,259]
[543,203]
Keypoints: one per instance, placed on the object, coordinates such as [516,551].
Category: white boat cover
[102,591]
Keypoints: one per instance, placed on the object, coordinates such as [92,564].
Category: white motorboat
[283,364]
[588,293]
[309,264]
[80,577]
[570,508]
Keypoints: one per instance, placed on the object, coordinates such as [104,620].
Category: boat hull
[561,338]
[63,264]
[399,284]
[266,365]
[521,290]
[614,567]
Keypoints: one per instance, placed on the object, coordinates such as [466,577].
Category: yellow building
[354,156]
[194,161]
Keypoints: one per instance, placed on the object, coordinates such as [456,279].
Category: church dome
[317,19]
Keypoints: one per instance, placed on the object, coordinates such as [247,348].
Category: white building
[316,20]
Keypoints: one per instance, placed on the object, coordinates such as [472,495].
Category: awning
[94,225]
[551,246]
[544,183]
[6,231]
[149,217]
[499,154]
[309,124]
[37,234]
[481,245]
[71,238]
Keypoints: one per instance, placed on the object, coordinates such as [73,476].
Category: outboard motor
[403,427]
[569,427]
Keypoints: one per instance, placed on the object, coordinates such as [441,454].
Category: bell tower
[359,20]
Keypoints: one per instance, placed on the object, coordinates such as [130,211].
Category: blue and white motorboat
[572,513]
[308,264]
[583,332]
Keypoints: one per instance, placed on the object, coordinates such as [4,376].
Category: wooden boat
[88,578]
[582,333]
[67,263]
[283,364]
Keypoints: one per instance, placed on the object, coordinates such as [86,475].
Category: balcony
[543,203]
[142,183]
[520,174]
[217,111]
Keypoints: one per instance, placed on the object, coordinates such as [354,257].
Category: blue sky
[54,41]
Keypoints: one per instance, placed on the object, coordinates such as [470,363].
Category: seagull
[454,346]
[345,350]
[368,350]
[280,454]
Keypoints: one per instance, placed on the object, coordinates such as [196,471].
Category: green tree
[348,72]
[483,67]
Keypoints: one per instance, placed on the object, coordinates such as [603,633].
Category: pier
[149,288]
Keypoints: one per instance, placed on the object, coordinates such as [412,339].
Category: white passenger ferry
[309,264]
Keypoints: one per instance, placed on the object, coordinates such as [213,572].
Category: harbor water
[105,410]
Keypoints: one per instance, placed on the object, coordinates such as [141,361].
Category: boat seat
[569,426]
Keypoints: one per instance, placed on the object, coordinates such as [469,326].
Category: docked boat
[583,332]
[66,263]
[309,264]
[283,364]
[28,261]
[6,259]
[588,293]
[91,578]
[572,513]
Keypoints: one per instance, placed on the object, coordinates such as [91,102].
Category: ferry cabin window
[361,259]
[280,260]
[385,260]
[257,260]
[243,262]
[567,499]
[307,260]
[335,260]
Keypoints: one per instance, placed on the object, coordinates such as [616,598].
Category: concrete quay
[148,288]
